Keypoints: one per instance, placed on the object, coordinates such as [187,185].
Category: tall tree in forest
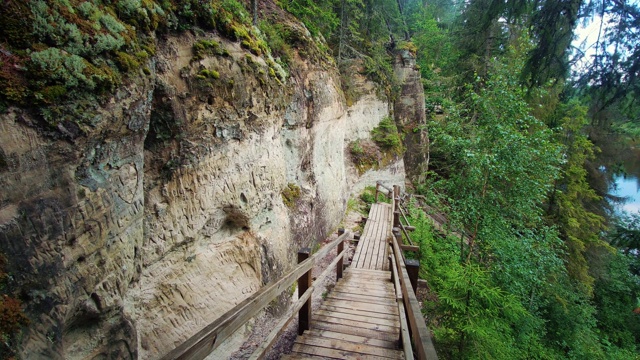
[572,195]
[611,78]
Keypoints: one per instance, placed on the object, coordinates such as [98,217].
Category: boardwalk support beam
[304,315]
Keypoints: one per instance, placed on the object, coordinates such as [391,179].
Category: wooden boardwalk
[373,250]
[359,318]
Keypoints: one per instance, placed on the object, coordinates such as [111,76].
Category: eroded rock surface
[127,237]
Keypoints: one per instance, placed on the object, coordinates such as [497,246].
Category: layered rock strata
[126,237]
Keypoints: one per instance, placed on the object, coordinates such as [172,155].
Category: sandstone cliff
[127,236]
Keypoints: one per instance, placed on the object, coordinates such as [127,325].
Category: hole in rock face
[81,259]
[243,198]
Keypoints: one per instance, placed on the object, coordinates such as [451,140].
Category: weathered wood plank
[371,293]
[363,289]
[354,338]
[367,271]
[344,329]
[355,311]
[391,309]
[360,298]
[353,347]
[359,324]
[360,318]
[332,353]
[298,356]
[367,307]
[370,229]
[371,255]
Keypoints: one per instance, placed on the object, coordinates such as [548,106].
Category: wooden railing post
[304,315]
[339,266]
[377,186]
[413,268]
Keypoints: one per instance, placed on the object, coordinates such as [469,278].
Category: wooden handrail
[208,339]
[420,334]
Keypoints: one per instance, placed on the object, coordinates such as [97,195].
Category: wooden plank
[351,330]
[332,353]
[359,257]
[366,271]
[384,276]
[371,254]
[354,338]
[370,263]
[375,310]
[354,281]
[352,347]
[370,229]
[361,318]
[384,328]
[364,289]
[360,297]
[352,310]
[390,309]
[370,293]
[373,290]
[298,356]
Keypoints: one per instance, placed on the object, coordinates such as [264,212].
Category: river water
[626,181]
[627,186]
[621,164]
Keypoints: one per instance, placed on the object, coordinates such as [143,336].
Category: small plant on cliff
[387,137]
[203,48]
[290,194]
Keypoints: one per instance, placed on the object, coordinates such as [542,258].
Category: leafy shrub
[387,137]
[61,67]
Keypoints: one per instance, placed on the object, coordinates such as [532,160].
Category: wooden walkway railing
[371,313]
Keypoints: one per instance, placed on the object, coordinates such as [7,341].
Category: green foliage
[279,39]
[368,197]
[202,48]
[290,195]
[616,294]
[567,202]
[387,137]
[318,16]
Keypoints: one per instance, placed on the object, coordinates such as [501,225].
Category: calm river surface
[628,187]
